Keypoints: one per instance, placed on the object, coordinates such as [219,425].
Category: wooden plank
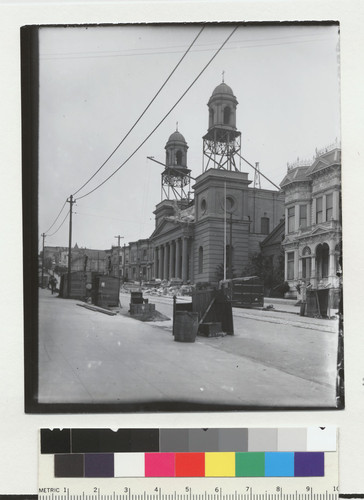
[98,309]
[207,311]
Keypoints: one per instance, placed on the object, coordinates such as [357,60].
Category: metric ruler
[94,464]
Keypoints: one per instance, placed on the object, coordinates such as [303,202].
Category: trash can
[185,326]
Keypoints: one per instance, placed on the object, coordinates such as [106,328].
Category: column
[296,217]
[184,259]
[165,263]
[332,264]
[313,211]
[178,258]
[285,265]
[299,267]
[160,261]
[313,271]
[324,208]
[171,260]
[336,205]
[309,214]
[286,221]
[156,262]
[296,264]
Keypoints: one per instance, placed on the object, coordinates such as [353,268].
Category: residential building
[313,237]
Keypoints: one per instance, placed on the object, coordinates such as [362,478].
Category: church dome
[223,89]
[176,137]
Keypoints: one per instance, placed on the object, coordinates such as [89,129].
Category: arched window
[179,157]
[200,260]
[227,115]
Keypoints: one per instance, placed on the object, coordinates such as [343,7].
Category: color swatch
[257,452]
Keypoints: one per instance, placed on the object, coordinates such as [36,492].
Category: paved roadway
[274,359]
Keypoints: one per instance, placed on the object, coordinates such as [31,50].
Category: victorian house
[312,243]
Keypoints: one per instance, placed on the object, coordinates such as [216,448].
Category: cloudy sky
[96,81]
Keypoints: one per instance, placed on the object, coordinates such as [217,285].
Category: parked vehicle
[244,292]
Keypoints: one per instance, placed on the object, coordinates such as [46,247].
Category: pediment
[319,230]
[318,164]
[166,226]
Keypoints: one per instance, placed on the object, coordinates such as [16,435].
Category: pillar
[160,262]
[296,217]
[286,266]
[313,211]
[309,214]
[178,258]
[299,268]
[165,263]
[332,264]
[336,205]
[184,259]
[324,208]
[286,221]
[313,271]
[296,259]
[171,260]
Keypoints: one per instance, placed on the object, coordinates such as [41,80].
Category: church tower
[222,220]
[222,144]
[176,175]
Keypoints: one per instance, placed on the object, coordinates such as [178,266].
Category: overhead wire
[132,52]
[165,116]
[143,113]
[260,173]
[59,227]
[55,220]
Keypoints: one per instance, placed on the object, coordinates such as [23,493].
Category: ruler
[261,491]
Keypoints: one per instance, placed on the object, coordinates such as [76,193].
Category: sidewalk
[89,357]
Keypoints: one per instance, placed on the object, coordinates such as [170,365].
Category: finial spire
[176,126]
[223,76]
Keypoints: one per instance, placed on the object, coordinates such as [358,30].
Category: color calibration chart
[183,464]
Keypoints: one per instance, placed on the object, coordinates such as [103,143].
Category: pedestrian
[53,283]
[303,290]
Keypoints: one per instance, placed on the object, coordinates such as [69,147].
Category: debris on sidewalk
[98,309]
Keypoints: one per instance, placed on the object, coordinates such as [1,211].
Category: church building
[196,238]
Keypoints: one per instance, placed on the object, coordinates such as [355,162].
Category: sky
[95,81]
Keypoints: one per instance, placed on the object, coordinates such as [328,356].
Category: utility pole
[231,247]
[43,236]
[119,252]
[124,265]
[71,201]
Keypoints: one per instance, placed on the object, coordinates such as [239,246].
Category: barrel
[185,326]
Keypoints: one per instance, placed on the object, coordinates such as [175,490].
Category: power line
[165,116]
[143,113]
[111,53]
[260,173]
[55,220]
[59,227]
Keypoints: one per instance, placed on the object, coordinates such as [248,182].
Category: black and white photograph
[182,208]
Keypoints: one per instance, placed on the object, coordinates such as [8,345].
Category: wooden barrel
[185,326]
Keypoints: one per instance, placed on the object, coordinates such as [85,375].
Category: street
[274,359]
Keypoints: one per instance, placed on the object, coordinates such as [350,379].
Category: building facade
[312,243]
[224,224]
